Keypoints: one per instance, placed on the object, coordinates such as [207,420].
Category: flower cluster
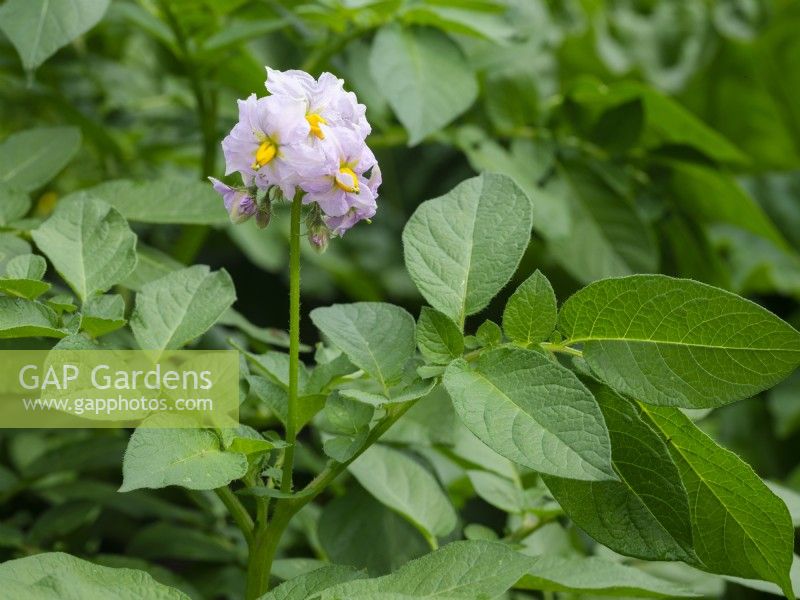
[307,136]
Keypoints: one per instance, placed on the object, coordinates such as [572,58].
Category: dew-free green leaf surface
[407,487]
[26,318]
[191,458]
[469,570]
[532,411]
[59,576]
[166,200]
[461,249]
[438,338]
[14,204]
[38,28]
[89,244]
[740,526]
[175,309]
[376,337]
[31,158]
[305,586]
[424,77]
[597,576]
[23,277]
[677,342]
[530,314]
[103,314]
[644,514]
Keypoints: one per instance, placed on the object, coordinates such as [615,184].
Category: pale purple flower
[327,104]
[255,145]
[239,203]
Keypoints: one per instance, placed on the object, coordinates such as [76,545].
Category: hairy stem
[239,513]
[294,341]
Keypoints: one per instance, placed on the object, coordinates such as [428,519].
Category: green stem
[294,341]
[239,513]
[560,348]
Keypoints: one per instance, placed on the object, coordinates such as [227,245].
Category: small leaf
[14,205]
[740,526]
[23,277]
[530,314]
[31,158]
[349,421]
[191,458]
[438,338]
[103,314]
[489,333]
[25,318]
[174,310]
[461,248]
[424,76]
[405,486]
[89,244]
[376,337]
[677,342]
[468,570]
[532,411]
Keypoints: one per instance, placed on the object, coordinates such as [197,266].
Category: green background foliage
[565,413]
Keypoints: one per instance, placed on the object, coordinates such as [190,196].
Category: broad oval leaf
[38,28]
[165,200]
[468,570]
[89,244]
[56,575]
[677,342]
[31,158]
[407,487]
[740,526]
[530,314]
[424,76]
[532,411]
[463,247]
[644,514]
[177,308]
[190,458]
[376,337]
[438,338]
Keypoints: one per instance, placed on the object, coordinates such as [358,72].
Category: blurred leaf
[784,404]
[23,277]
[26,318]
[31,158]
[166,541]
[103,314]
[38,28]
[423,76]
[14,204]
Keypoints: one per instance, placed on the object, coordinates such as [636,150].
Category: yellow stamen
[315,120]
[265,153]
[346,180]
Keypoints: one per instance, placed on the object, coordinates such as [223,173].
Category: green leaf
[740,526]
[14,204]
[489,333]
[530,314]
[677,342]
[438,338]
[349,420]
[31,158]
[166,200]
[424,76]
[175,309]
[11,246]
[355,521]
[54,575]
[405,486]
[469,570]
[89,244]
[191,458]
[646,513]
[38,28]
[305,586]
[166,541]
[498,491]
[376,337]
[597,576]
[461,248]
[532,411]
[25,318]
[103,314]
[23,277]
[151,264]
